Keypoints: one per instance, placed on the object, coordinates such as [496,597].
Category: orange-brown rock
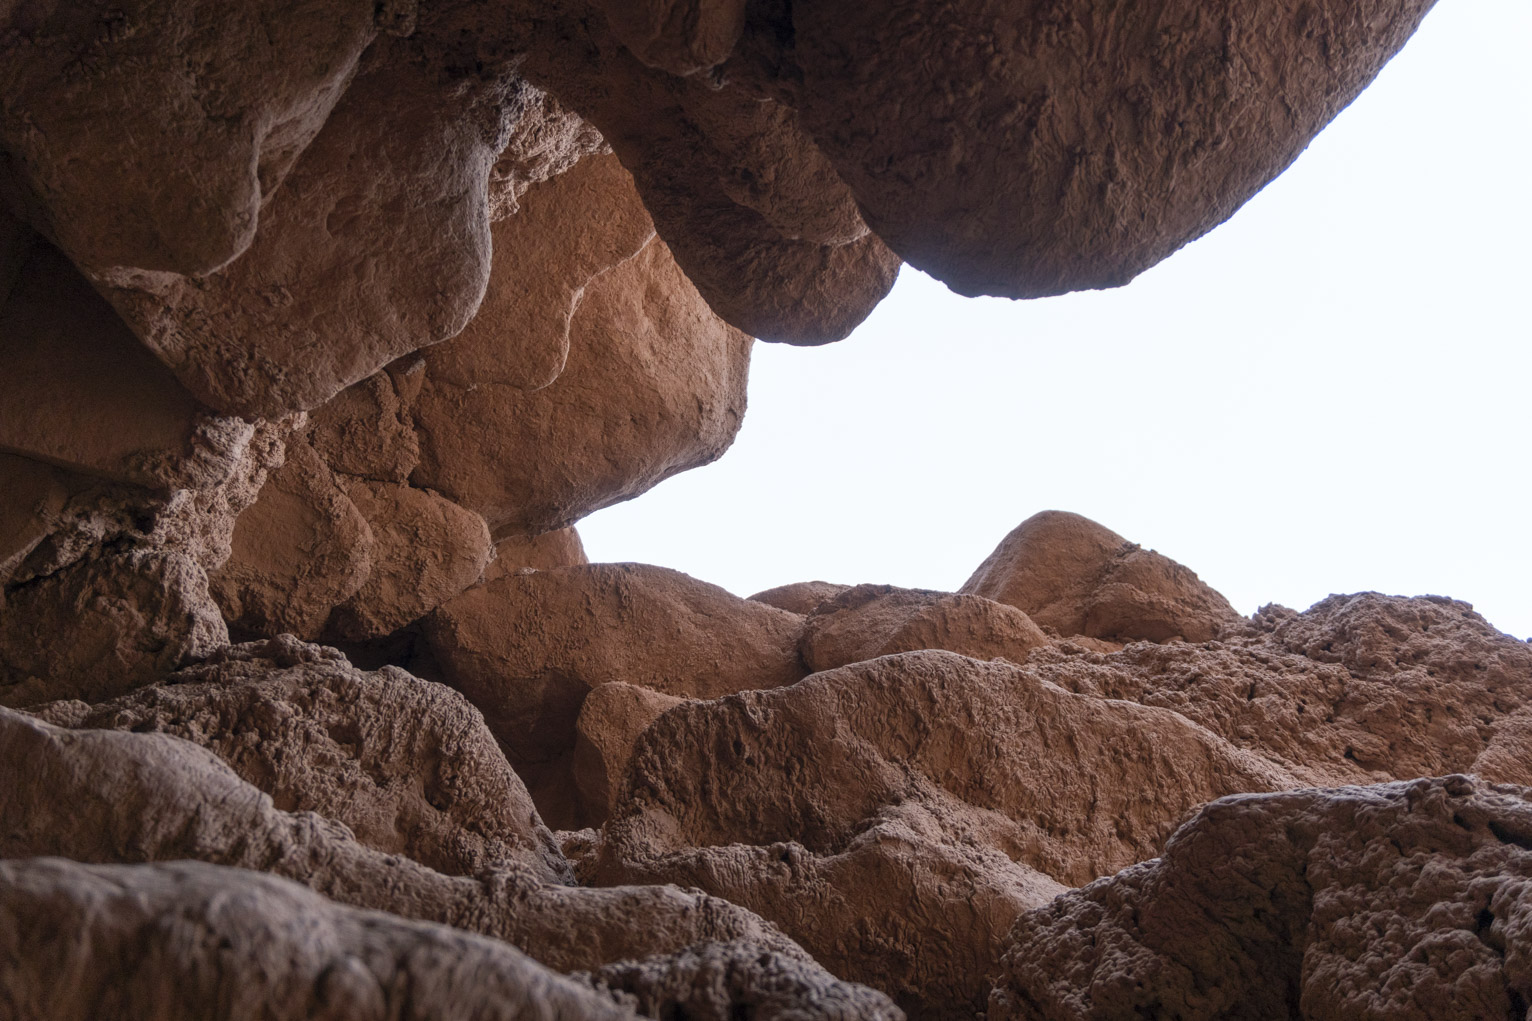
[869,621]
[425,550]
[408,766]
[727,176]
[376,245]
[559,548]
[611,719]
[893,816]
[800,596]
[183,941]
[148,135]
[1086,145]
[565,232]
[1401,901]
[108,623]
[1358,689]
[138,798]
[654,385]
[527,649]
[1069,573]
[66,352]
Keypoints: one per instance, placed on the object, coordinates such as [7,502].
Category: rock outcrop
[1406,900]
[1075,576]
[329,322]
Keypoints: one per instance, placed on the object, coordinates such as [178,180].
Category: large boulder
[895,815]
[527,649]
[1402,901]
[1071,574]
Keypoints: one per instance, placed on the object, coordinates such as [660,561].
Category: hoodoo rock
[330,321]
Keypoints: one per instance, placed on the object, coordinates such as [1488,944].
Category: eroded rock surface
[869,621]
[836,805]
[406,765]
[527,649]
[1071,574]
[1407,900]
[184,940]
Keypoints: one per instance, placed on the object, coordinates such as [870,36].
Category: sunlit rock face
[326,323]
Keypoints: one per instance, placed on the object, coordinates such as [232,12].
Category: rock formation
[328,322]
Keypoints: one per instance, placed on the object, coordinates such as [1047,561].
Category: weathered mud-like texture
[365,431]
[66,352]
[894,815]
[1408,901]
[376,245]
[514,553]
[527,648]
[105,796]
[727,981]
[408,766]
[1088,144]
[682,38]
[186,940]
[869,621]
[1358,689]
[106,624]
[148,135]
[654,385]
[425,550]
[301,550]
[611,719]
[566,232]
[754,213]
[548,140]
[800,596]
[1071,574]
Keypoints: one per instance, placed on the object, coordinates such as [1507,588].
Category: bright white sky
[1332,392]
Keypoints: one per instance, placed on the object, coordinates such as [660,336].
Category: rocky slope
[324,324]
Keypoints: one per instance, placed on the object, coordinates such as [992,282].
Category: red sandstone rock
[527,649]
[144,797]
[406,765]
[800,596]
[514,553]
[1083,147]
[611,719]
[185,940]
[879,620]
[65,350]
[1406,900]
[655,384]
[1069,573]
[916,802]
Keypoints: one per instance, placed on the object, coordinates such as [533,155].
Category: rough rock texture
[130,618]
[331,318]
[869,621]
[591,217]
[611,719]
[527,649]
[65,350]
[560,548]
[654,384]
[837,805]
[800,596]
[1358,689]
[186,940]
[136,798]
[727,981]
[1408,900]
[301,550]
[1090,143]
[406,765]
[1071,574]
